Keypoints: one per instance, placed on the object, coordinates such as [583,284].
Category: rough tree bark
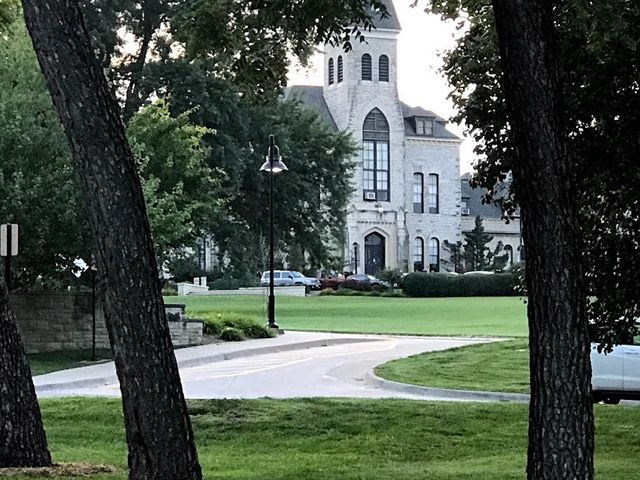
[561,413]
[158,429]
[22,439]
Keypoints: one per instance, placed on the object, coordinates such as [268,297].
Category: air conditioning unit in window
[369,195]
[464,211]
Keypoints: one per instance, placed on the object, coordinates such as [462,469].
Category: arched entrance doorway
[373,253]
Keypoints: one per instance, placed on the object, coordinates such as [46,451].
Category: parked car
[311,283]
[281,278]
[331,281]
[367,281]
[616,375]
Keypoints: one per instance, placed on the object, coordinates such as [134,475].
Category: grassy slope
[496,367]
[41,363]
[341,439]
[468,316]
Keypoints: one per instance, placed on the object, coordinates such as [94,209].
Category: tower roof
[390,22]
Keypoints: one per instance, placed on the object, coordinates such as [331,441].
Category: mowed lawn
[325,439]
[463,316]
[494,367]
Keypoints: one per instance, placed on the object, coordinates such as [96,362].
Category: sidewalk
[355,378]
[105,373]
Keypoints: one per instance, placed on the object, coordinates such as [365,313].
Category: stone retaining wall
[50,322]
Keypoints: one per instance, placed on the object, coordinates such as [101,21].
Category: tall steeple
[368,71]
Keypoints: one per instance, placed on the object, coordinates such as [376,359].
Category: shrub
[355,285]
[452,285]
[169,289]
[233,283]
[231,334]
[392,275]
[216,323]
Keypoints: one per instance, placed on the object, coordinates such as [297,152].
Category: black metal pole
[272,297]
[355,254]
[93,313]
[7,259]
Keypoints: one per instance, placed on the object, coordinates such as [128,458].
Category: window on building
[424,127]
[434,255]
[330,71]
[366,67]
[418,193]
[383,68]
[434,200]
[508,249]
[340,69]
[375,157]
[418,254]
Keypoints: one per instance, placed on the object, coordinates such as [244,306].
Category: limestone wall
[51,322]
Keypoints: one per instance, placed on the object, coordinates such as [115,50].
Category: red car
[331,281]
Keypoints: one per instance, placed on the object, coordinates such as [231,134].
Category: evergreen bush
[422,284]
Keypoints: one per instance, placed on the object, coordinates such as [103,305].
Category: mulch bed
[59,470]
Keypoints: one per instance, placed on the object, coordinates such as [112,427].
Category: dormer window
[424,126]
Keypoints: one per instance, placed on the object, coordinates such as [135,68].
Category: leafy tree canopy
[38,187]
[601,64]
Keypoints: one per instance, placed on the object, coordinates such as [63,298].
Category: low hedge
[231,326]
[421,284]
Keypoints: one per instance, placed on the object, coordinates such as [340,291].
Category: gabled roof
[311,96]
[473,197]
[439,123]
[389,23]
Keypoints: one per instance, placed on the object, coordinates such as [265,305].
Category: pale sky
[423,39]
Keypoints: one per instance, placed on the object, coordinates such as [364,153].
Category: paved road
[297,364]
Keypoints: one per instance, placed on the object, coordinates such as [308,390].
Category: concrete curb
[444,393]
[197,361]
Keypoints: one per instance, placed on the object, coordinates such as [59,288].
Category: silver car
[300,279]
[281,278]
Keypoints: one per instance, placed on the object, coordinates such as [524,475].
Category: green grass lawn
[495,367]
[322,439]
[46,362]
[464,316]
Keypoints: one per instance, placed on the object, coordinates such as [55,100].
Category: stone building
[510,234]
[406,198]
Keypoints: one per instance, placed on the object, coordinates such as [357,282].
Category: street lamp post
[356,253]
[272,165]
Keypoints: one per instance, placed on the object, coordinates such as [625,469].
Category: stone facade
[509,234]
[50,322]
[385,229]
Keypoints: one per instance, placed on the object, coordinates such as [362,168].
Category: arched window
[331,71]
[434,255]
[340,69]
[433,190]
[418,193]
[366,67]
[418,254]
[375,157]
[508,249]
[383,68]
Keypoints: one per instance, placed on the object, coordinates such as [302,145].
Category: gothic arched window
[383,68]
[340,69]
[331,71]
[434,255]
[375,157]
[366,67]
[418,254]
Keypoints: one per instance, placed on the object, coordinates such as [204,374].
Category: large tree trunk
[22,439]
[561,412]
[158,429]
